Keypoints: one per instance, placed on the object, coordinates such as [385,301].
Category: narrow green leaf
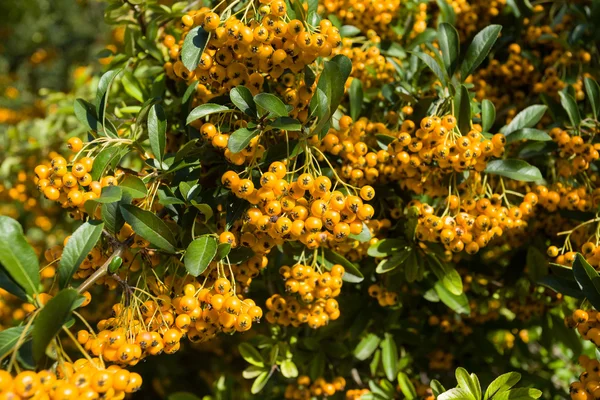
[149,226]
[240,139]
[349,31]
[394,261]
[356,98]
[454,394]
[102,94]
[464,382]
[570,106]
[528,134]
[157,131]
[584,274]
[200,254]
[189,92]
[464,111]
[450,46]
[50,320]
[251,354]
[18,257]
[366,346]
[406,386]
[106,158]
[8,283]
[488,115]
[501,384]
[385,247]
[514,169]
[592,89]
[352,273]
[132,86]
[286,124]
[519,394]
[134,186]
[479,49]
[433,66]
[86,114]
[260,382]
[81,242]
[525,119]
[447,275]
[459,304]
[112,217]
[204,110]
[272,104]
[9,338]
[242,98]
[447,13]
[389,356]
[193,46]
[222,251]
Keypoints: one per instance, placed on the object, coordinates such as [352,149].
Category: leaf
[286,124]
[393,262]
[502,384]
[352,274]
[389,353]
[406,386]
[450,46]
[330,88]
[81,242]
[363,236]
[252,372]
[465,382]
[488,115]
[242,98]
[50,320]
[570,106]
[519,394]
[385,247]
[349,31]
[537,263]
[182,396]
[289,369]
[157,131]
[464,111]
[459,304]
[271,103]
[366,346]
[433,66]
[584,274]
[454,394]
[132,86]
[86,114]
[223,250]
[107,157]
[514,169]
[9,338]
[447,275]
[251,354]
[478,49]
[112,217]
[204,110]
[240,139]
[525,119]
[447,13]
[528,134]
[134,186]
[189,92]
[193,46]
[260,382]
[8,283]
[150,227]
[592,89]
[437,387]
[356,98]
[200,254]
[18,257]
[102,94]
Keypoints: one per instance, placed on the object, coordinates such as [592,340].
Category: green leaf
[479,49]
[528,134]
[204,110]
[525,119]
[102,94]
[363,236]
[570,106]
[389,356]
[454,394]
[514,169]
[240,139]
[412,267]
[366,346]
[107,157]
[592,89]
[9,338]
[182,396]
[356,98]
[352,274]
[271,103]
[286,124]
[459,304]
[349,31]
[223,250]
[112,217]
[81,242]
[465,382]
[18,257]
[50,320]
[86,114]
[157,131]
[189,92]
[584,274]
[447,275]
[437,387]
[289,369]
[464,110]
[8,283]
[450,46]
[447,13]
[242,98]
[134,186]
[330,89]
[132,86]
[260,382]
[537,263]
[200,254]
[434,66]
[501,384]
[406,386]
[150,227]
[251,354]
[488,115]
[252,372]
[385,247]
[394,261]
[519,394]
[193,46]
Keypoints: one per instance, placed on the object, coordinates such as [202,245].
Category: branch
[100,272]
